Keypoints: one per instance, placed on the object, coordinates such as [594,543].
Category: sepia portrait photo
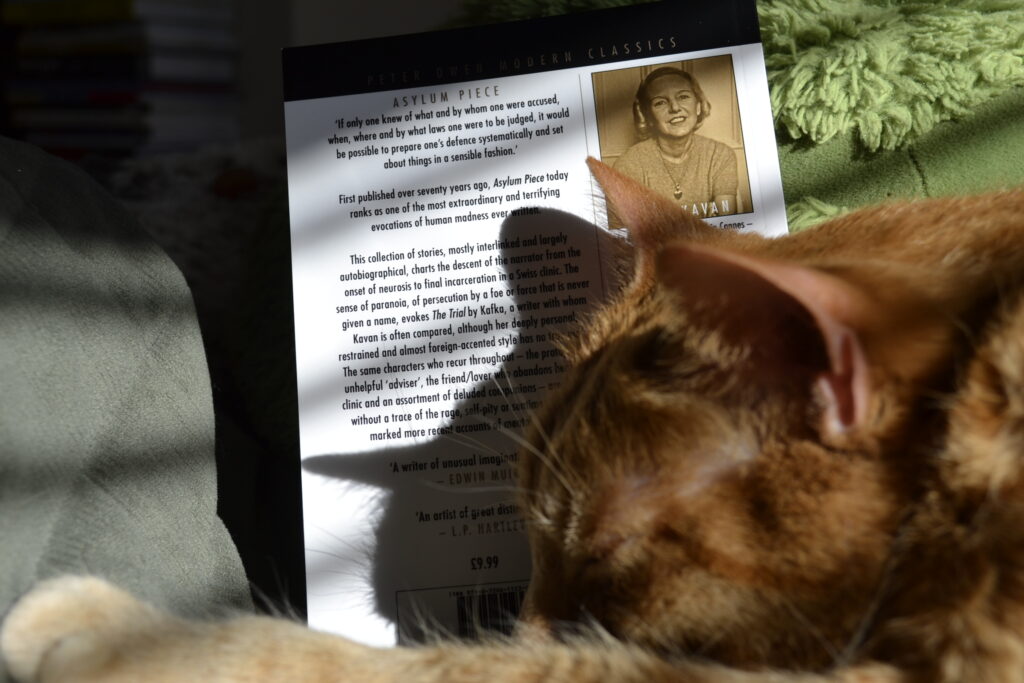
[675,127]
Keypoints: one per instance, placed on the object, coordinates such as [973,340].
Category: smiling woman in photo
[671,158]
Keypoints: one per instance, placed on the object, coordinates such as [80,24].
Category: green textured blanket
[877,99]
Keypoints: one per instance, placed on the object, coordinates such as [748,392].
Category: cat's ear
[801,322]
[651,219]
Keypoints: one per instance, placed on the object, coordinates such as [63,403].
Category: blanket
[106,460]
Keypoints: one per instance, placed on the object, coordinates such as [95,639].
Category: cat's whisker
[857,639]
[516,412]
[355,556]
[496,379]
[464,440]
[431,630]
[447,488]
[342,573]
[343,559]
[532,414]
[275,606]
[467,440]
[522,442]
[809,626]
[707,645]
[547,461]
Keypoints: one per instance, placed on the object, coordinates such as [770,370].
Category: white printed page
[441,236]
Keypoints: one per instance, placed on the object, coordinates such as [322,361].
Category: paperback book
[444,228]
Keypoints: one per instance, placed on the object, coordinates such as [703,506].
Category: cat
[790,459]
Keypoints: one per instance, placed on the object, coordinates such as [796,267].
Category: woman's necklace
[678,192]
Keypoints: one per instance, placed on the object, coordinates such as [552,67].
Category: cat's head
[740,436]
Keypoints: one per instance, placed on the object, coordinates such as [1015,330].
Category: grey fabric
[106,420]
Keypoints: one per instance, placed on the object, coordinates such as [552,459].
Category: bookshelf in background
[113,78]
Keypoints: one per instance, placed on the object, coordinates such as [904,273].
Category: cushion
[107,456]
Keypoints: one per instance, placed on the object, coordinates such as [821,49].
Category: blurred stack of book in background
[119,77]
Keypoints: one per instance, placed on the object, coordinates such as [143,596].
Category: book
[444,227]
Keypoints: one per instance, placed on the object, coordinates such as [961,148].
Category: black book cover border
[515,48]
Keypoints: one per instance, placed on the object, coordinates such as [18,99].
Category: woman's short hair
[642,104]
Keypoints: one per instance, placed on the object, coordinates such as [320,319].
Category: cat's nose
[621,518]
[604,543]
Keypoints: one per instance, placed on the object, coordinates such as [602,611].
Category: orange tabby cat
[770,457]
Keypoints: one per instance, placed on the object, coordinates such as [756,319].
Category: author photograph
[665,140]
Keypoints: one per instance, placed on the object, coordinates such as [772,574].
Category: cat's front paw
[70,628]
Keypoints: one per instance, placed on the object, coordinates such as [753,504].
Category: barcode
[496,612]
[466,612]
